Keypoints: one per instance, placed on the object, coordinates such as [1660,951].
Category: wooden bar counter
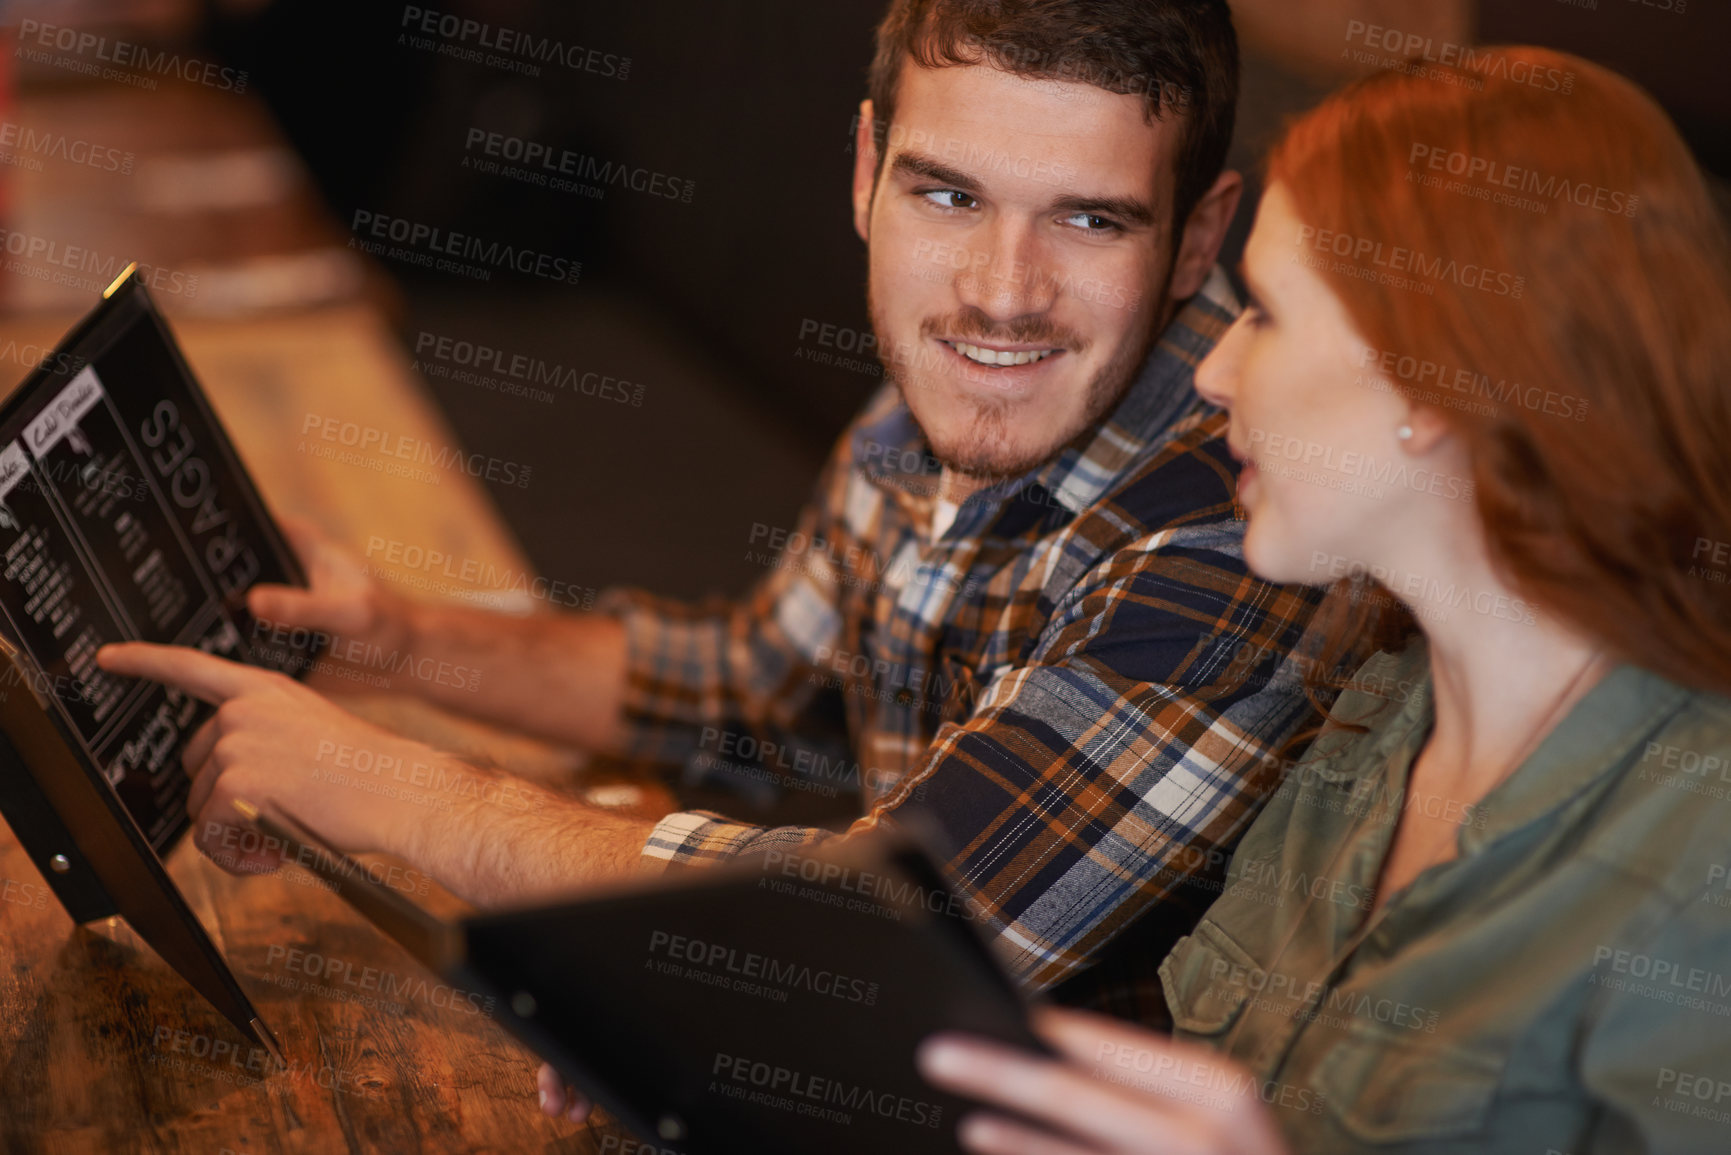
[103,1048]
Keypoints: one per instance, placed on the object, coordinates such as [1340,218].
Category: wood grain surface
[103,1048]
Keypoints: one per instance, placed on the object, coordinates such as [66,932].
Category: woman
[1485,383]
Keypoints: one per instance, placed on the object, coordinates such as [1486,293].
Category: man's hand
[558,676]
[340,600]
[1115,1088]
[483,834]
[273,738]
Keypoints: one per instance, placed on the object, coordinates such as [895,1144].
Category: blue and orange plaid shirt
[1077,682]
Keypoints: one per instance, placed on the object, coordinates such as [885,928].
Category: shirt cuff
[704,838]
[672,661]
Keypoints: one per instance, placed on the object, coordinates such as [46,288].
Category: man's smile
[1002,355]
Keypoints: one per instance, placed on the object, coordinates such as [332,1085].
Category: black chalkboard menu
[125,515]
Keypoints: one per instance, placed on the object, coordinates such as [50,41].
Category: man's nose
[1004,277]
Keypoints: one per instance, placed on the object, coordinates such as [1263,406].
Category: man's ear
[1204,232]
[865,167]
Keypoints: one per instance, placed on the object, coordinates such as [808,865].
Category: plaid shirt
[1078,682]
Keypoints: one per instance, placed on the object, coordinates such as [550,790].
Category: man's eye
[1088,222]
[950,198]
[1257,316]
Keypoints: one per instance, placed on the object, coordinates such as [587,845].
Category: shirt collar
[892,452]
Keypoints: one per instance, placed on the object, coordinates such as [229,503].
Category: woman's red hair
[1609,523]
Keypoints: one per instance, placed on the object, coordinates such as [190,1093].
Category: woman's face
[1329,483]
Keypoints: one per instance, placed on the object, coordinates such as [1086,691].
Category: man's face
[1019,252]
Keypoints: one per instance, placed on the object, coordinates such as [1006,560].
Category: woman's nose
[1217,377]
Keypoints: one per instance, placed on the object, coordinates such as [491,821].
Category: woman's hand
[1115,1088]
[557,1097]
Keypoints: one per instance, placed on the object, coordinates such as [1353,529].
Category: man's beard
[984,451]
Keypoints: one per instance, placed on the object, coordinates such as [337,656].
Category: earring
[1404,433]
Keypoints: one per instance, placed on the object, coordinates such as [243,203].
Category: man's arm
[1114,765]
[648,678]
[1088,784]
[495,856]
[275,743]
[643,677]
[558,676]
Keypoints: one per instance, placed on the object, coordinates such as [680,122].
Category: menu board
[124,515]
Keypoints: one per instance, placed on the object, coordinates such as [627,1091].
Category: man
[1028,617]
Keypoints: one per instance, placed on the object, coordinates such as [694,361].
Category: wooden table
[102,1047]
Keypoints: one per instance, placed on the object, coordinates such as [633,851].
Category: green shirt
[1562,986]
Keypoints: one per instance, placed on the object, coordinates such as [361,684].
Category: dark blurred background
[713,307]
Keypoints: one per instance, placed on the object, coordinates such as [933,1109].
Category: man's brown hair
[1180,56]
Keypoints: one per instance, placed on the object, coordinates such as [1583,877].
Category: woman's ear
[1429,429]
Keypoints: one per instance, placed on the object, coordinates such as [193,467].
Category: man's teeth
[998,357]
